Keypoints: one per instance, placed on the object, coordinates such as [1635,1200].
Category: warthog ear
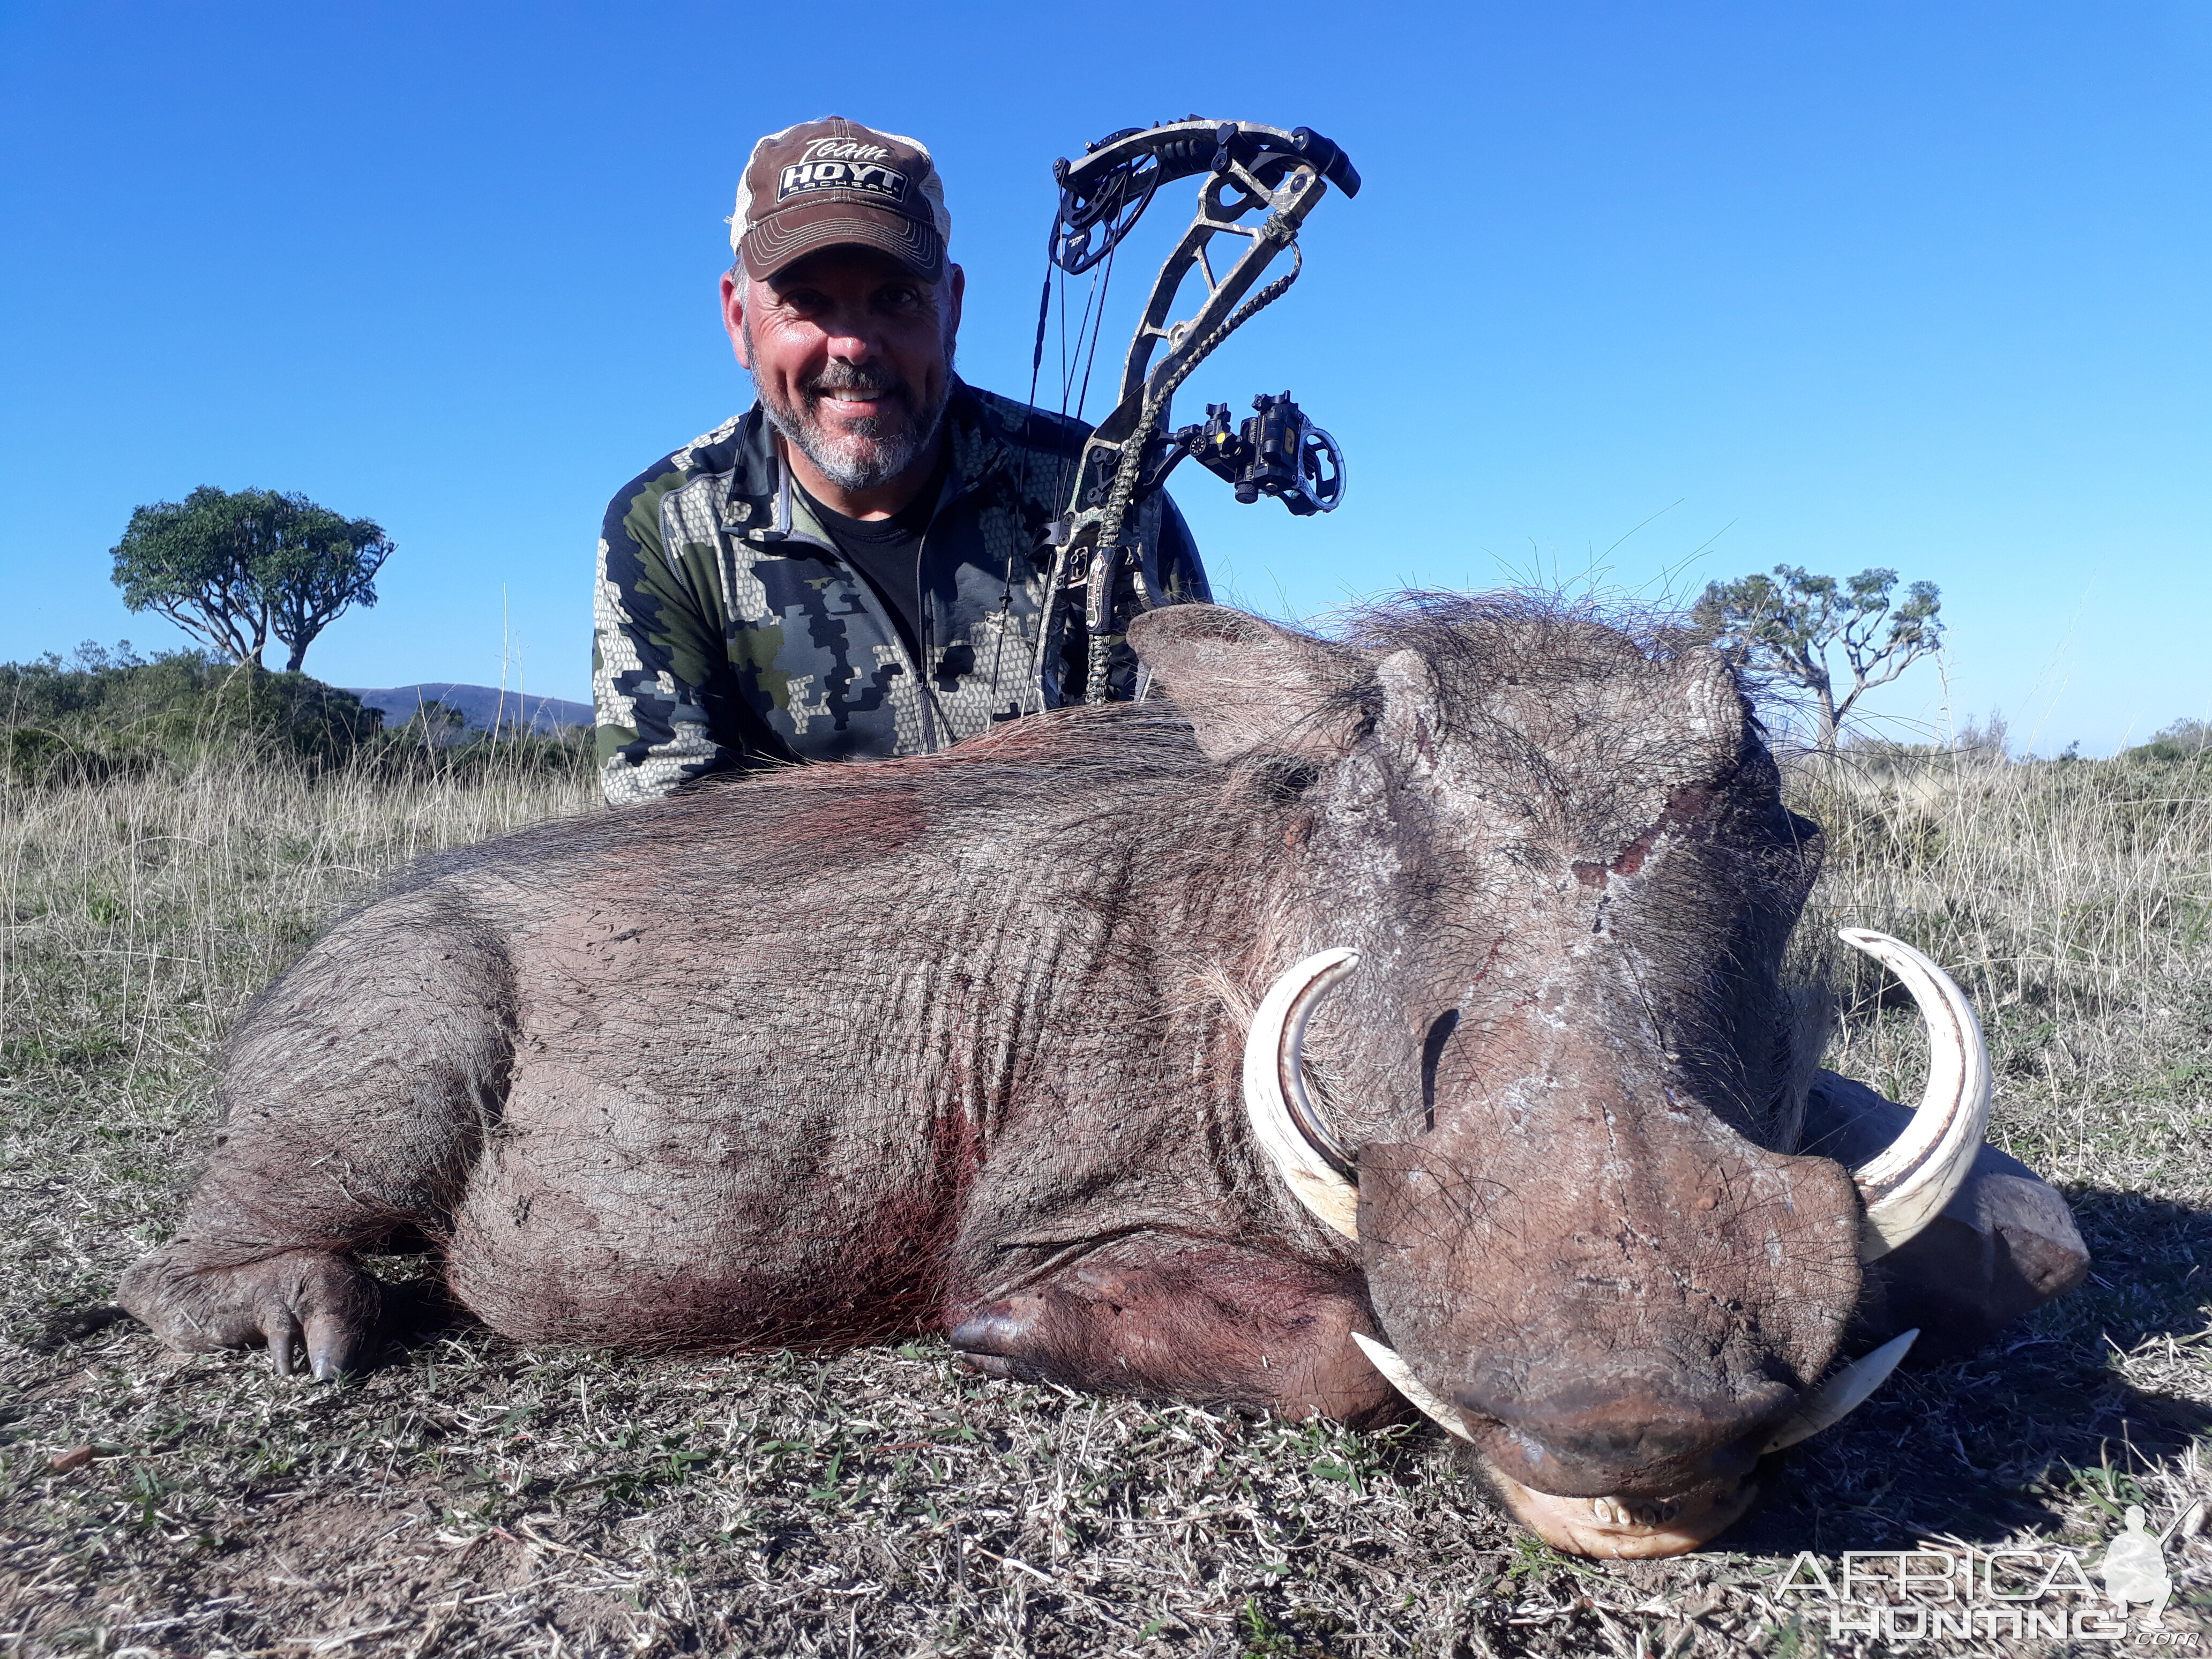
[1249,687]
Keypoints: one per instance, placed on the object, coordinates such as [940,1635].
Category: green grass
[471,1498]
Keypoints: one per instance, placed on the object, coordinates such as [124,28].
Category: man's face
[851,355]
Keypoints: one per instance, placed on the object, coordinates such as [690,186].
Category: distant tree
[322,565]
[193,562]
[1782,627]
[232,569]
[436,721]
[1990,740]
[2183,740]
[91,657]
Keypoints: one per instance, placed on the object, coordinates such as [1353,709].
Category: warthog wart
[1395,1016]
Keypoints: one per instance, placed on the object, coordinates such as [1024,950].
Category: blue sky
[1637,295]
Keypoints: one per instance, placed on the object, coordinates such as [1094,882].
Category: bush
[105,713]
[2185,741]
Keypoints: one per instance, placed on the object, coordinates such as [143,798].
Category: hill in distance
[481,707]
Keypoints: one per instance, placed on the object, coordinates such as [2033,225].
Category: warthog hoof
[1002,1341]
[302,1298]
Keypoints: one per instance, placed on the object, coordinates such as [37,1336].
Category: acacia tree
[192,562]
[1782,627]
[232,569]
[320,565]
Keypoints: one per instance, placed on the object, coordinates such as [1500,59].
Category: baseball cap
[831,181]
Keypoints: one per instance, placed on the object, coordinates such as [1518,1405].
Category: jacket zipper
[925,696]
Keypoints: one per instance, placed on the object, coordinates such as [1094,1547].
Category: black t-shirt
[887,552]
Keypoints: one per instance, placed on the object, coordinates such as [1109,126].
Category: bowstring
[1060,475]
[1063,337]
[1098,332]
[1091,322]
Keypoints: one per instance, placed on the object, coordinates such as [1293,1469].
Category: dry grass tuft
[469,1497]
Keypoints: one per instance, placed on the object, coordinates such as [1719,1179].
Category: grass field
[471,1498]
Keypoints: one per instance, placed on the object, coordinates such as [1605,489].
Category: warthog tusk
[1285,1122]
[1842,1394]
[1399,1376]
[1909,1183]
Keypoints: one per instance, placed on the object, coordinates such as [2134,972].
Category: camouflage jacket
[729,634]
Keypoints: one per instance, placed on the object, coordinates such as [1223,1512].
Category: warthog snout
[1631,1429]
[1620,1360]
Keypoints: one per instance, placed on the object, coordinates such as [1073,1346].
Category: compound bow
[1106,544]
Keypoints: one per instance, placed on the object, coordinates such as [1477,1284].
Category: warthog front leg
[1204,1322]
[358,1092]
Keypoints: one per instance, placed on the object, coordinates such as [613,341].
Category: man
[858,566]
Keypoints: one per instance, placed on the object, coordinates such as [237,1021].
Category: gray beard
[865,454]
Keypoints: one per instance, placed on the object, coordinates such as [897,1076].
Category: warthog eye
[1286,778]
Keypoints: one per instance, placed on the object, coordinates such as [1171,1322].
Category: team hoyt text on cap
[831,181]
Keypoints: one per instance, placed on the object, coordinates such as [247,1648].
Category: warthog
[1034,1042]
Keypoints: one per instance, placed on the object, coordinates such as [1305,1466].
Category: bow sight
[1277,452]
[1106,541]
